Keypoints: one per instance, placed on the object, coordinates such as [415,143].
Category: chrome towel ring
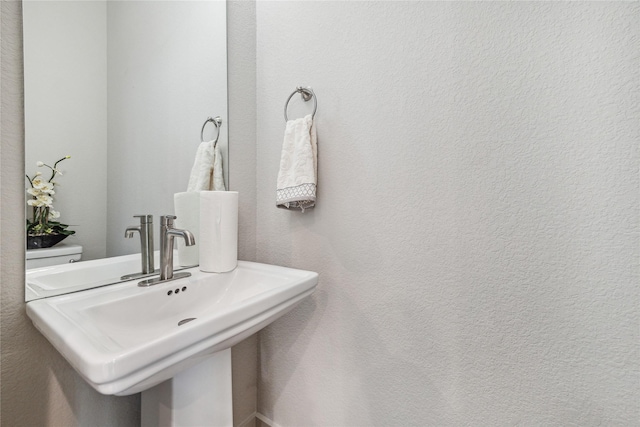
[307,93]
[217,122]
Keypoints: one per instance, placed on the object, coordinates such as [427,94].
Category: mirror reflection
[120,90]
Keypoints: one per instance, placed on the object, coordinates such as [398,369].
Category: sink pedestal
[199,396]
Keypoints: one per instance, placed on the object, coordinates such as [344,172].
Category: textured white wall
[476,232]
[66,110]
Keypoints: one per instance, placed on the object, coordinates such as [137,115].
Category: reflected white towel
[297,177]
[207,171]
[218,171]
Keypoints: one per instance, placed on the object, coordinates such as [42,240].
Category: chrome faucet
[146,244]
[167,234]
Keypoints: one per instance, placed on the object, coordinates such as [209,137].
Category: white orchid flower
[40,201]
[39,164]
[44,199]
[46,187]
[54,214]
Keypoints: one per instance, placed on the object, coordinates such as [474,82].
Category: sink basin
[124,339]
[54,280]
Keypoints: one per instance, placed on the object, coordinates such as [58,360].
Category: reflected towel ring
[217,122]
[307,93]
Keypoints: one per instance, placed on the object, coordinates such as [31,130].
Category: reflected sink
[124,339]
[57,279]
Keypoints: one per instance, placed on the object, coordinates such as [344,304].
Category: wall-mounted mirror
[123,88]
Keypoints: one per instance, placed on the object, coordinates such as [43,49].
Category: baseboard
[266,421]
[249,421]
[262,420]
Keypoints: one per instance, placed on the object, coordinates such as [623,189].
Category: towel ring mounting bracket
[307,93]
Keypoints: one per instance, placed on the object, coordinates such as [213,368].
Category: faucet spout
[128,233]
[189,239]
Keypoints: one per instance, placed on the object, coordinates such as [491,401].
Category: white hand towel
[207,171]
[297,177]
[200,178]
[218,171]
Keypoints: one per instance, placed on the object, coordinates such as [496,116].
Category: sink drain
[183,321]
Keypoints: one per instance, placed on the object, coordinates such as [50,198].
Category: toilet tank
[62,253]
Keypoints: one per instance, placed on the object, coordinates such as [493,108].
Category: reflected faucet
[167,234]
[146,242]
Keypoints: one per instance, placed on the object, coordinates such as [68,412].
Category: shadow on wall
[20,366]
[62,396]
[381,393]
[88,405]
[279,342]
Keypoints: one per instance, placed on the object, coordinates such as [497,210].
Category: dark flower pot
[44,241]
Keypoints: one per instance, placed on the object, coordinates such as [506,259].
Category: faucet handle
[167,220]
[145,219]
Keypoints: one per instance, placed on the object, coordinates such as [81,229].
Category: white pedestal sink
[124,339]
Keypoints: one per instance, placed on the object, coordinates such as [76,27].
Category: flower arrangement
[43,221]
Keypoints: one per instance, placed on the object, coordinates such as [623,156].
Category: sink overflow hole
[183,321]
